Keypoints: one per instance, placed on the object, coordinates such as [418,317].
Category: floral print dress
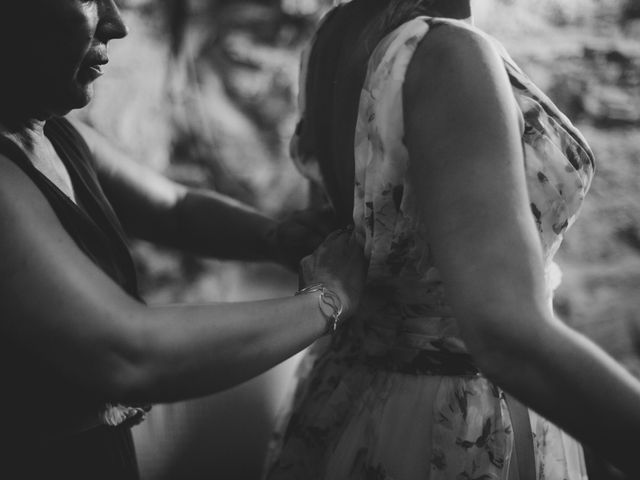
[395,395]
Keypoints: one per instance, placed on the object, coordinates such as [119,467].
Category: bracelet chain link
[329,304]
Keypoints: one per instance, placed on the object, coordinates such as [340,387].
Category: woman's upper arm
[55,302]
[463,135]
[143,198]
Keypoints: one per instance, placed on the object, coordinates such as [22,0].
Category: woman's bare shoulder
[38,253]
[454,51]
[29,226]
[456,83]
[15,185]
[27,219]
[18,193]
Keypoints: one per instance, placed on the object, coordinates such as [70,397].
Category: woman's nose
[110,24]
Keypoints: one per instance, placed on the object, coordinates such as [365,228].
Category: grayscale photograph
[320,239]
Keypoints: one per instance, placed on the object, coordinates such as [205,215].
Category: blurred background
[205,90]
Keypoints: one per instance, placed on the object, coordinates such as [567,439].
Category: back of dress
[558,166]
[396,395]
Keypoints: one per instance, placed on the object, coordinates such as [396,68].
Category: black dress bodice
[37,402]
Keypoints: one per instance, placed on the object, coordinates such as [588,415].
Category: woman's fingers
[322,221]
[333,236]
[339,264]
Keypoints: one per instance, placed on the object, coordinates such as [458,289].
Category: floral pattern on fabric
[395,395]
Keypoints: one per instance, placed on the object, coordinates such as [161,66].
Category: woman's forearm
[570,380]
[189,351]
[210,224]
[155,208]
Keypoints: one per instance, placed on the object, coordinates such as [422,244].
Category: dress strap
[523,453]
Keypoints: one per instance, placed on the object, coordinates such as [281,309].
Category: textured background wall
[586,55]
[205,91]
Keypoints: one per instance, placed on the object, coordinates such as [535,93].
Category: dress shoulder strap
[91,223]
[78,158]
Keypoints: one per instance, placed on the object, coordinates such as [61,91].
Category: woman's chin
[81,97]
[79,101]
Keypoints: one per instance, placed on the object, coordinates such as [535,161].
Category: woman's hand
[299,234]
[340,265]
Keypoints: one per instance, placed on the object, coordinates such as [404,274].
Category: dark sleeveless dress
[37,403]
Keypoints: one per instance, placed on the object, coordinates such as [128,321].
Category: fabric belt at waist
[425,362]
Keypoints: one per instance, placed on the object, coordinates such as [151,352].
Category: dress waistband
[425,362]
[432,356]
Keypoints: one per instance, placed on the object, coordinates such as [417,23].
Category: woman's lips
[96,69]
[91,72]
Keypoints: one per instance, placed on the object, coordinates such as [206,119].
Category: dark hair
[393,13]
[359,22]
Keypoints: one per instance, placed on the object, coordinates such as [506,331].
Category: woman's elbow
[126,369]
[493,363]
[504,344]
[125,381]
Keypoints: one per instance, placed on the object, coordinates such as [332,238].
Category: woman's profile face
[59,49]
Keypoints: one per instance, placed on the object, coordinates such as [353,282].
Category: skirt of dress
[357,421]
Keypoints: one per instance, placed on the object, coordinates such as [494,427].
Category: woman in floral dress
[461,178]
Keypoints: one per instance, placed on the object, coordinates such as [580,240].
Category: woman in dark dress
[80,352]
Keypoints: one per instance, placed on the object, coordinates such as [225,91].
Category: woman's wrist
[329,304]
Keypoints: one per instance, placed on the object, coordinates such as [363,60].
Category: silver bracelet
[328,300]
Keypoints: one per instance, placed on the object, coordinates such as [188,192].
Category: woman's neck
[28,135]
[19,123]
[42,154]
